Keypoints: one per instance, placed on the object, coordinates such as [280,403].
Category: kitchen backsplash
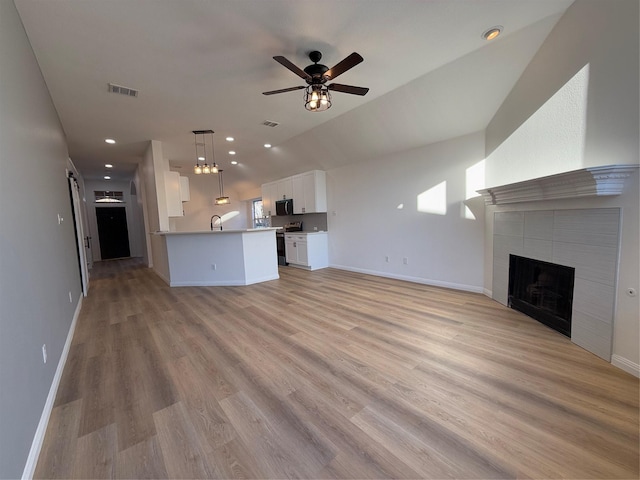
[309,221]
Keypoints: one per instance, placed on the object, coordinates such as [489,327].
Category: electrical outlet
[405,261]
[60,219]
[70,298]
[386,258]
[315,229]
[214,266]
[44,353]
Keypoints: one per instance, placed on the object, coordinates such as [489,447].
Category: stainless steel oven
[280,245]
[282,254]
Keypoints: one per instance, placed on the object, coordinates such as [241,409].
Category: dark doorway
[113,233]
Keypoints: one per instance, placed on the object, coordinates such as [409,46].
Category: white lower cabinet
[307,250]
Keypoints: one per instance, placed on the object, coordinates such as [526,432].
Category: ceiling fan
[317,96]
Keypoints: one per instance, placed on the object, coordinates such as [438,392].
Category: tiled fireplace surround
[586,239]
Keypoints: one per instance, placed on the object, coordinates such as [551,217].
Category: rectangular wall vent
[269,123]
[129,92]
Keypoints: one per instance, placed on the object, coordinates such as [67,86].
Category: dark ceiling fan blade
[291,89]
[349,62]
[287,64]
[338,87]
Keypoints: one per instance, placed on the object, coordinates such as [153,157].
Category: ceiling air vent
[269,123]
[129,92]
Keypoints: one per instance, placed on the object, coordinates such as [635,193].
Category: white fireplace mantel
[586,182]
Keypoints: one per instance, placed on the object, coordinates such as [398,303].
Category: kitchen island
[221,257]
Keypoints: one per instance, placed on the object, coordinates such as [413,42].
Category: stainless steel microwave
[284,207]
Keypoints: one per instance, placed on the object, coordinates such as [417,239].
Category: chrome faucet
[219,218]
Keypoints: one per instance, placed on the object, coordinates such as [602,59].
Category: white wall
[152,168]
[603,37]
[550,141]
[365,224]
[143,213]
[198,211]
[137,219]
[38,259]
[131,206]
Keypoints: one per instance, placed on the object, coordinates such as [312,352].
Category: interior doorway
[113,232]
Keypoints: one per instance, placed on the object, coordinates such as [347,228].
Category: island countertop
[199,232]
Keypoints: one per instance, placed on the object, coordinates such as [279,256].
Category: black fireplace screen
[542,290]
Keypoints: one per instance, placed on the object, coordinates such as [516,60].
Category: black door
[113,233]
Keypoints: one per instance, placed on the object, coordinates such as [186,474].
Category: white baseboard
[406,278]
[38,439]
[626,365]
[487,292]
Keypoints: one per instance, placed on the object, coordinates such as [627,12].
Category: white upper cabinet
[172,191]
[185,194]
[310,192]
[284,189]
[268,198]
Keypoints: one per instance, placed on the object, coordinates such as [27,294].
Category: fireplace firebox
[543,291]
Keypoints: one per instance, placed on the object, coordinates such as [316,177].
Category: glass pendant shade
[317,98]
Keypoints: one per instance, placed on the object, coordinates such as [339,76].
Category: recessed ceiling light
[108,165]
[493,32]
[107,177]
[201,158]
[267,145]
[230,139]
[110,140]
[232,152]
[234,162]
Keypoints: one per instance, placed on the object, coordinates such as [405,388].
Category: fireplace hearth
[543,291]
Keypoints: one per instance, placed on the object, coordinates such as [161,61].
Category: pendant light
[221,200]
[204,167]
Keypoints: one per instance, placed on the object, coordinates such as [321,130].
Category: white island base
[221,258]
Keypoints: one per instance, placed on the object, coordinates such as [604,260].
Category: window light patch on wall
[474,181]
[434,200]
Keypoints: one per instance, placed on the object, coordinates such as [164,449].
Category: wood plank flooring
[328,374]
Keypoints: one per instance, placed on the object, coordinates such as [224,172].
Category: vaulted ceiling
[203,64]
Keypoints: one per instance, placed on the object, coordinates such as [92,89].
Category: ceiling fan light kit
[317,96]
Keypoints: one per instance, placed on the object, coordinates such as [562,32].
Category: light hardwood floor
[328,374]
